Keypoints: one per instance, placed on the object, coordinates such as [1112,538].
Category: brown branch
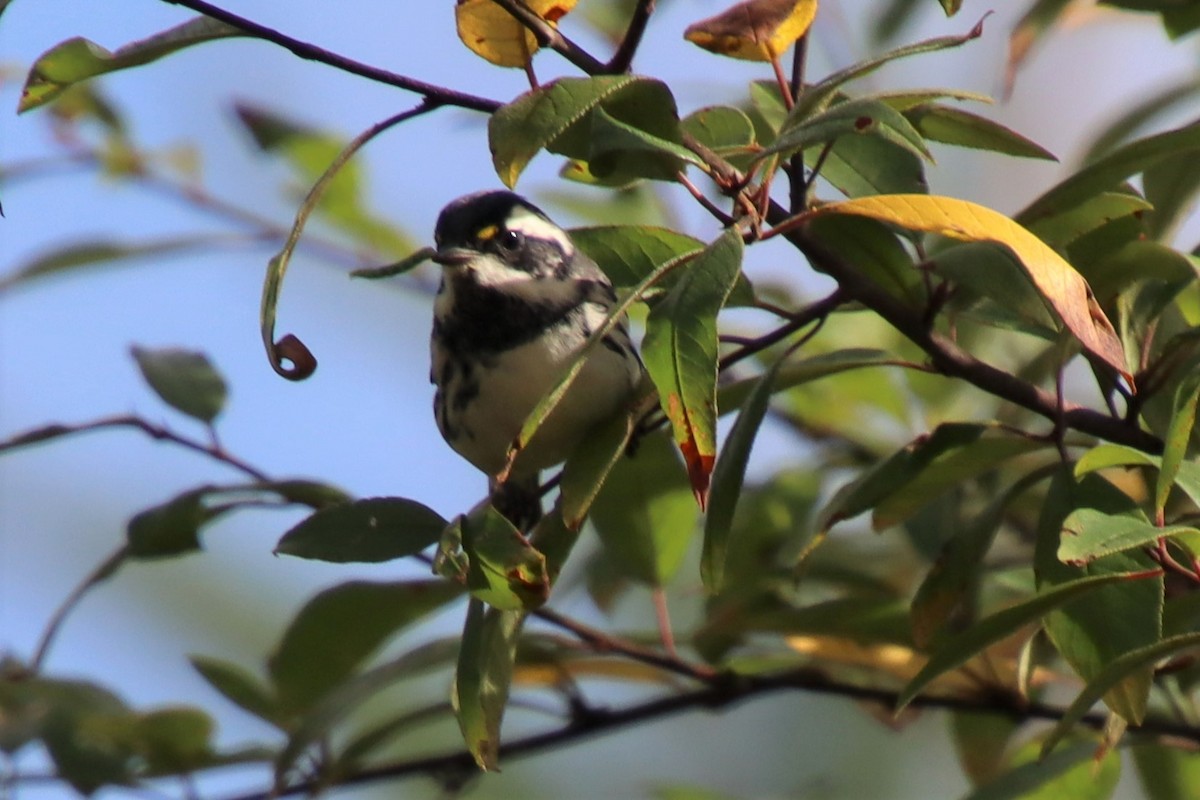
[602,642]
[622,59]
[805,316]
[721,693]
[159,432]
[439,95]
[945,356]
[549,36]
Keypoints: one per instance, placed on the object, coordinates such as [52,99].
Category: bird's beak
[453,256]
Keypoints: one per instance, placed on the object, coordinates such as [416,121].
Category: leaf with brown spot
[680,350]
[492,33]
[1063,289]
[756,30]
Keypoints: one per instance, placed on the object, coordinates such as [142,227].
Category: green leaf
[1090,215]
[955,575]
[1167,772]
[816,97]
[340,628]
[1171,186]
[644,514]
[310,152]
[483,677]
[954,126]
[877,252]
[681,351]
[86,729]
[313,494]
[987,275]
[239,686]
[1135,116]
[99,253]
[861,166]
[317,723]
[1107,173]
[1175,443]
[981,742]
[801,371]
[185,380]
[862,117]
[588,466]
[959,648]
[1089,534]
[554,539]
[725,130]
[371,530]
[1108,455]
[79,59]
[171,529]
[504,570]
[1114,619]
[1109,678]
[620,148]
[729,474]
[899,486]
[175,740]
[628,254]
[1070,774]
[558,117]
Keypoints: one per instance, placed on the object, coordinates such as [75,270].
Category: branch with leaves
[1035,542]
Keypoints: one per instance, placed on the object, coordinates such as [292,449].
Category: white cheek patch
[534,226]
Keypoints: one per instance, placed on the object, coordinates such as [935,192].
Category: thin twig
[160,432]
[802,318]
[622,59]
[602,642]
[97,576]
[549,36]
[721,693]
[440,95]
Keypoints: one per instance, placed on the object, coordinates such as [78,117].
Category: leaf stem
[440,95]
[549,36]
[101,573]
[622,59]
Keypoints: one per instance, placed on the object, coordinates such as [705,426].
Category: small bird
[516,302]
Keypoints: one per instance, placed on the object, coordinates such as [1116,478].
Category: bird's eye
[510,241]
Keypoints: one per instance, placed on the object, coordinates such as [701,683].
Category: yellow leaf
[756,30]
[496,35]
[1063,289]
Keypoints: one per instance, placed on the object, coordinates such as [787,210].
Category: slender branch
[804,317]
[94,578]
[945,356]
[160,432]
[797,185]
[722,693]
[602,642]
[549,36]
[622,59]
[439,95]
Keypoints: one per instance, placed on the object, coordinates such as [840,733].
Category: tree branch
[622,59]
[549,36]
[439,95]
[945,356]
[951,360]
[722,692]
[160,432]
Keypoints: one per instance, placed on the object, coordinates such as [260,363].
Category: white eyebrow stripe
[535,226]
